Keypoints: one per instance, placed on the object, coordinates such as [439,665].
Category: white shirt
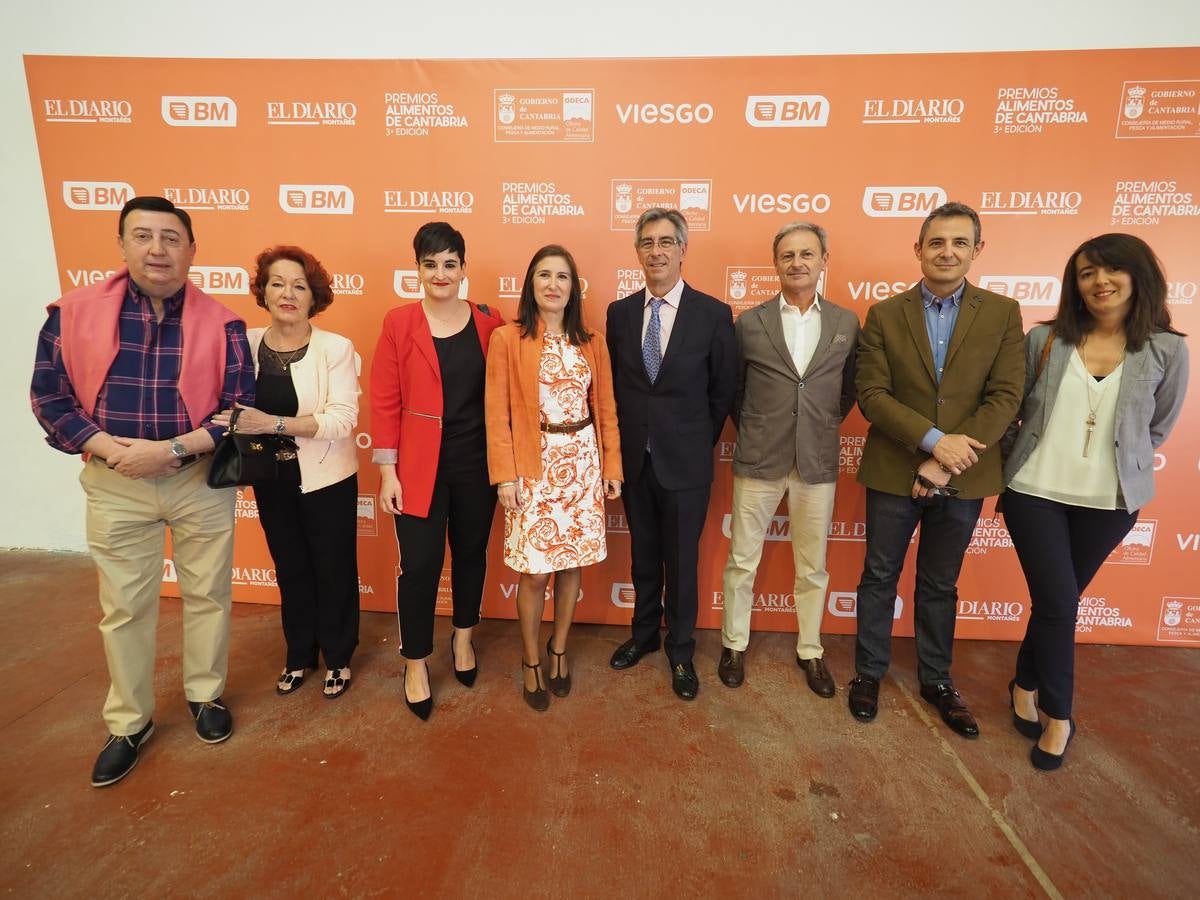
[666,314]
[801,330]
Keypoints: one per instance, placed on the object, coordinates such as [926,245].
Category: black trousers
[313,539]
[947,524]
[664,538]
[463,506]
[1061,547]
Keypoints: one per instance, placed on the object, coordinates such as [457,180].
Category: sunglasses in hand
[936,490]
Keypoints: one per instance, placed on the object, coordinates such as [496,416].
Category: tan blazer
[511,405]
[979,394]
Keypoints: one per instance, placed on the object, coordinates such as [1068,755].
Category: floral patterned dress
[560,524]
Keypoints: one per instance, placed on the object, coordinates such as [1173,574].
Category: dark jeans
[664,540]
[947,524]
[463,506]
[313,539]
[1061,547]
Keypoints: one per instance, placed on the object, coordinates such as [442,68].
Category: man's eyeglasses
[665,243]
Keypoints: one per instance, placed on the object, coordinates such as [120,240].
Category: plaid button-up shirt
[140,397]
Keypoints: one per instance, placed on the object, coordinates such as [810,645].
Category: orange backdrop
[348,158]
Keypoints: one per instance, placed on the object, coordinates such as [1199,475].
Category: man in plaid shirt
[129,372]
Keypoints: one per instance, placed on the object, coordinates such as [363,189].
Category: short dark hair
[318,279]
[155,204]
[435,237]
[1148,311]
[527,311]
[951,210]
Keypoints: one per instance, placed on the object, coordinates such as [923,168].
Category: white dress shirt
[666,314]
[801,331]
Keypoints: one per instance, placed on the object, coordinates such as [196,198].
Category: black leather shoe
[119,756]
[864,697]
[1026,728]
[560,685]
[731,669]
[954,711]
[1047,762]
[538,700]
[629,653]
[420,708]
[818,677]
[684,681]
[214,723]
[465,677]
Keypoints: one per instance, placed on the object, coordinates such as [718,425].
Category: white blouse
[1057,468]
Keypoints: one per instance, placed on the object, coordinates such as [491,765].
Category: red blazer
[406,397]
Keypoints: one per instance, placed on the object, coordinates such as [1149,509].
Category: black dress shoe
[730,669]
[864,697]
[1047,762]
[214,722]
[684,681]
[421,708]
[629,653]
[954,711]
[560,685]
[465,677]
[1026,728]
[818,677]
[538,700]
[119,756]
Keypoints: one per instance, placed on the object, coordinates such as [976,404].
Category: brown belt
[568,428]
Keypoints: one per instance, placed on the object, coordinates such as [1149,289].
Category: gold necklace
[1090,424]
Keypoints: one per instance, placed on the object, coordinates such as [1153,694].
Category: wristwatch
[177,449]
[279,424]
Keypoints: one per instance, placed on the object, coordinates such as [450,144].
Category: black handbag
[242,458]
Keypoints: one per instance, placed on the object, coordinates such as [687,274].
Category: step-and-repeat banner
[348,158]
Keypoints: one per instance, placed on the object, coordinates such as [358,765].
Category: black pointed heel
[422,708]
[467,677]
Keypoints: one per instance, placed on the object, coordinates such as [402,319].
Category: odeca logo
[623,595]
[220,279]
[906,202]
[787,111]
[844,605]
[316,199]
[96,195]
[1028,290]
[664,113]
[199,112]
[407,284]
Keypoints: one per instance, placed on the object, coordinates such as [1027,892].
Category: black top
[274,391]
[460,358]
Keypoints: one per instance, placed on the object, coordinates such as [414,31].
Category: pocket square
[840,338]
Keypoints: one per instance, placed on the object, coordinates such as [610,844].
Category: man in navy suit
[674,361]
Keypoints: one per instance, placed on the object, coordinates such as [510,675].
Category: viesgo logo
[316,199]
[664,113]
[901,202]
[96,195]
[1028,290]
[220,279]
[199,112]
[787,111]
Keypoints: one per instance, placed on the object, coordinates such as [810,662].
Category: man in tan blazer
[796,355]
[940,375]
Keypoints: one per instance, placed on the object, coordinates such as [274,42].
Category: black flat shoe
[339,684]
[214,721]
[540,699]
[559,685]
[288,683]
[1048,762]
[629,653]
[953,709]
[119,756]
[468,676]
[1031,730]
[684,681]
[422,708]
[864,697]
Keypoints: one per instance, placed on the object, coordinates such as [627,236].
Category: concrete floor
[620,789]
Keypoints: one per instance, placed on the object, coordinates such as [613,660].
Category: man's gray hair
[654,214]
[811,227]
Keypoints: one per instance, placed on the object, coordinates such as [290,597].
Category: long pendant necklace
[1090,424]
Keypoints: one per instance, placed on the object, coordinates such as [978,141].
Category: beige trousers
[810,508]
[126,536]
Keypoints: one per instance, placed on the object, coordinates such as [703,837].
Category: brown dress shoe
[817,674]
[730,670]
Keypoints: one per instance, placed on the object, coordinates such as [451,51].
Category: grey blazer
[1153,385]
[787,418]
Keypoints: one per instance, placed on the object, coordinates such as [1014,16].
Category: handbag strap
[237,411]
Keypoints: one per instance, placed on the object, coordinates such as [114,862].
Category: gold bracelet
[505,484]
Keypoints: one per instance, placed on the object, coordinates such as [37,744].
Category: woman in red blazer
[431,449]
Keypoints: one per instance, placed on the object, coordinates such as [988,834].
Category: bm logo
[199,112]
[96,195]
[316,199]
[787,111]
[220,279]
[1028,290]
[902,202]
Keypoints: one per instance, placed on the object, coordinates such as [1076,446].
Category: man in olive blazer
[940,373]
[796,355]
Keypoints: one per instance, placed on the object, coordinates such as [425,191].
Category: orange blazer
[511,405]
[406,398]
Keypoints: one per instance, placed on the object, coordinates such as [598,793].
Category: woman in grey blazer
[1104,384]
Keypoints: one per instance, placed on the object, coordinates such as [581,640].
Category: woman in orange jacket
[553,452]
[431,449]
